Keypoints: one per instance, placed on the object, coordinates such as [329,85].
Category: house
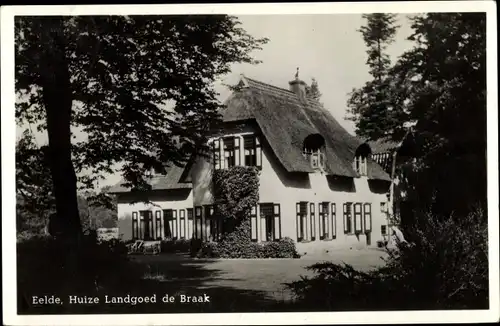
[393,156]
[318,184]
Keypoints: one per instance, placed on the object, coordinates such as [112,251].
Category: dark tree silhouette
[139,87]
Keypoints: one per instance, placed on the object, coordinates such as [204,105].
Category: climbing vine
[236,191]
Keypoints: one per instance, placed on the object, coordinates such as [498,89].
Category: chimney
[298,86]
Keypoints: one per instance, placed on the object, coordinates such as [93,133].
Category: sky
[328,48]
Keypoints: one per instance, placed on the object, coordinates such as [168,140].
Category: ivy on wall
[236,191]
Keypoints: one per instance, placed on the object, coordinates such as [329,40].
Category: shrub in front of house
[178,245]
[238,244]
[446,267]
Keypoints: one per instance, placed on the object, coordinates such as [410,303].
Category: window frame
[333,214]
[369,215]
[198,227]
[324,220]
[358,217]
[254,230]
[216,154]
[135,226]
[264,219]
[146,223]
[312,216]
[182,222]
[158,225]
[228,146]
[300,223]
[348,218]
[189,222]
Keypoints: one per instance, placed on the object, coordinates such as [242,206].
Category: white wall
[279,186]
[177,200]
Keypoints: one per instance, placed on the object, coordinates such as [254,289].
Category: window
[358,211]
[229,152]
[313,222]
[135,226]
[334,220]
[197,222]
[146,225]
[314,151]
[170,223]
[367,217]
[348,218]
[189,225]
[216,153]
[324,229]
[301,221]
[253,152]
[213,227]
[357,218]
[158,225]
[270,216]
[253,223]
[182,224]
[360,165]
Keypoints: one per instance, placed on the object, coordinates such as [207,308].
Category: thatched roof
[174,178]
[286,120]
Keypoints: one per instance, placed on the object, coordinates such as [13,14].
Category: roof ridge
[287,91]
[270,85]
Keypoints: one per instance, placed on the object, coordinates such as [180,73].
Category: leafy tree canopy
[139,87]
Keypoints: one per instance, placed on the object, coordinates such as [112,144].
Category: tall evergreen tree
[371,100]
[313,91]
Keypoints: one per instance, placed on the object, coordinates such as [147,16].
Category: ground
[254,284]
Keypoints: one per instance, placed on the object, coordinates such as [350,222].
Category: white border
[8,166]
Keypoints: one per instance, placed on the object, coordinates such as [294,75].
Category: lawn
[259,278]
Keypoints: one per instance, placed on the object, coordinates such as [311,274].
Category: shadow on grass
[175,275]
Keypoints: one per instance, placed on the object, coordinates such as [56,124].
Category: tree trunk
[57,97]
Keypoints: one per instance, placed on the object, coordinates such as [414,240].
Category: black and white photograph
[199,160]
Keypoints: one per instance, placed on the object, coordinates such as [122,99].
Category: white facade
[282,192]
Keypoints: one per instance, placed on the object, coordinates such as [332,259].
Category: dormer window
[360,163]
[314,151]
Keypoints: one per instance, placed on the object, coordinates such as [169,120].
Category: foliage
[439,88]
[179,245]
[34,195]
[313,91]
[35,198]
[102,270]
[236,191]
[142,85]
[238,244]
[445,268]
[370,106]
[283,248]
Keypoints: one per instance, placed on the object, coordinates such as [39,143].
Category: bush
[42,268]
[237,244]
[284,248]
[445,268]
[172,246]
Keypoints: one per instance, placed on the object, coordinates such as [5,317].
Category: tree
[313,90]
[34,196]
[139,87]
[439,87]
[372,100]
[442,82]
